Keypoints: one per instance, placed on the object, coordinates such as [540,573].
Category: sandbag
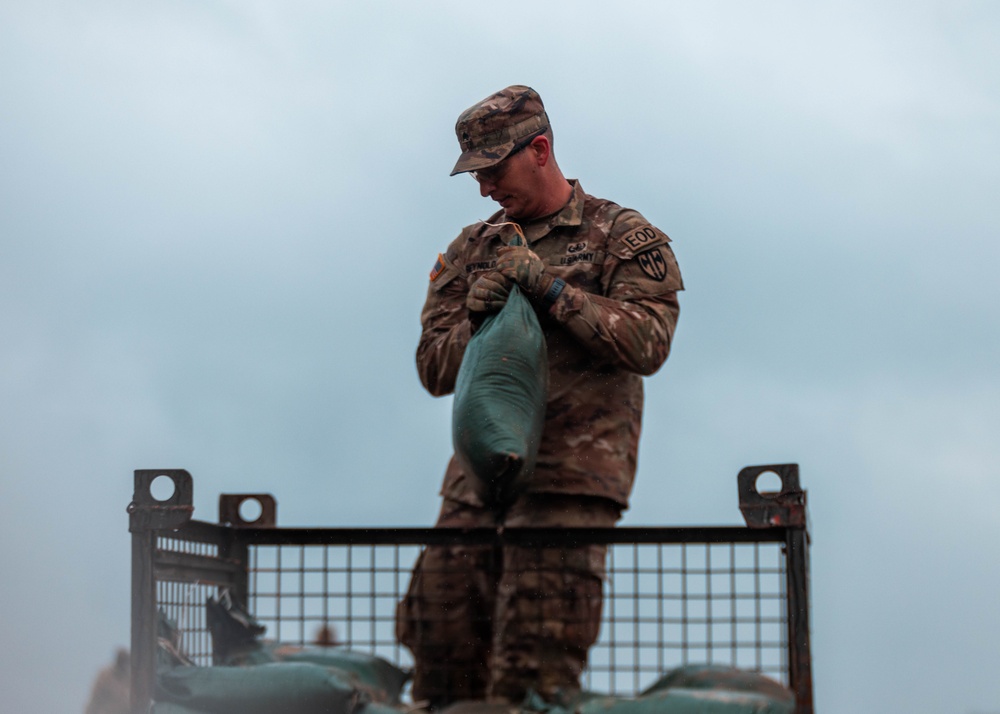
[499,407]
[383,680]
[721,677]
[236,639]
[690,689]
[297,687]
[171,708]
[690,701]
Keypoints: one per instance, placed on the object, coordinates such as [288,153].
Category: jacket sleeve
[632,325]
[445,330]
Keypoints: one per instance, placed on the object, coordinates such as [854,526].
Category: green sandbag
[690,689]
[171,708]
[499,406]
[714,676]
[297,687]
[674,700]
[383,680]
[236,641]
[689,701]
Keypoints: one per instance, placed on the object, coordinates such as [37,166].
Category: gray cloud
[216,223]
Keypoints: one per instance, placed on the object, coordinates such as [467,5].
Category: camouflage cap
[489,130]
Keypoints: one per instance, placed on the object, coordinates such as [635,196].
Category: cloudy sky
[217,220]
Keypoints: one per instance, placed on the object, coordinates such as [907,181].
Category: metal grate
[665,604]
[182,602]
[673,596]
[296,590]
[673,604]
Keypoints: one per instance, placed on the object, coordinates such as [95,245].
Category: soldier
[110,692]
[604,284]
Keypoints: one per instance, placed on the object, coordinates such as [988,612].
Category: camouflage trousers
[485,623]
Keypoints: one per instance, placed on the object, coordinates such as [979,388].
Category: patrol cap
[489,130]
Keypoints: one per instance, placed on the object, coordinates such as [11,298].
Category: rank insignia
[653,264]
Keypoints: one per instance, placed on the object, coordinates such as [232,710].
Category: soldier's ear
[542,149]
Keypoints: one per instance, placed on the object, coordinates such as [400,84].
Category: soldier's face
[513,184]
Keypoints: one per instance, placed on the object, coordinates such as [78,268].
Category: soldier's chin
[509,206]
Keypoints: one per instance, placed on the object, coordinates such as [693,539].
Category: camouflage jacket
[613,322]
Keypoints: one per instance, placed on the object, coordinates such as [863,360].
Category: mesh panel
[296,590]
[183,602]
[664,605]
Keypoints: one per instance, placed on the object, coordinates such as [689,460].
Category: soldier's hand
[489,293]
[520,264]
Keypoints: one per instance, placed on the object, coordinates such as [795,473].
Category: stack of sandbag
[274,688]
[255,676]
[692,689]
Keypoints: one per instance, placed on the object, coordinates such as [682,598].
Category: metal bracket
[146,512]
[786,507]
[229,510]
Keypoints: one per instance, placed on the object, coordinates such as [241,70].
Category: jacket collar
[569,215]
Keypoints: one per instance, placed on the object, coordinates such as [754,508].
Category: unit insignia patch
[653,264]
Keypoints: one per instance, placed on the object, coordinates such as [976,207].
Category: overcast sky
[217,221]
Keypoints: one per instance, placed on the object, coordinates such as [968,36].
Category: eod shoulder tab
[633,234]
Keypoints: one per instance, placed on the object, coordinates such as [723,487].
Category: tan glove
[520,264]
[489,293]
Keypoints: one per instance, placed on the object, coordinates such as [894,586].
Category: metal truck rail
[728,595]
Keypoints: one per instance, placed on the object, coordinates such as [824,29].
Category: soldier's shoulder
[632,234]
[601,209]
[617,221]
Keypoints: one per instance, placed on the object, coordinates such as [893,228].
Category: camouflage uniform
[613,322]
[482,624]
[110,692]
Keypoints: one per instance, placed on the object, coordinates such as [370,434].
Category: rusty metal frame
[778,517]
[786,508]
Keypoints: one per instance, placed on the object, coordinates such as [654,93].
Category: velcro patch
[640,238]
[653,264]
[638,241]
[480,266]
[589,256]
[438,268]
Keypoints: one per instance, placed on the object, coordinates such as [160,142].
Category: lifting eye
[162,488]
[768,484]
[250,510]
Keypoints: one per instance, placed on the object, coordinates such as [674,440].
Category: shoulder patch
[444,271]
[641,238]
[638,240]
[653,264]
[438,268]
